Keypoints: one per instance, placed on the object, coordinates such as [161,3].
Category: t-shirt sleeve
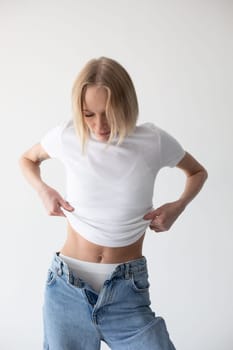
[51,141]
[171,151]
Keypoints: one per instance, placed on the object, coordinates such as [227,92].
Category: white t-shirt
[111,189]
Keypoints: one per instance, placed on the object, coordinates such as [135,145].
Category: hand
[52,201]
[164,216]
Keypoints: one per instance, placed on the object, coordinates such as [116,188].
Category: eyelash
[88,115]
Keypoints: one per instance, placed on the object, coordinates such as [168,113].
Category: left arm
[164,216]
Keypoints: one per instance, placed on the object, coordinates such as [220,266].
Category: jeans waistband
[122,270]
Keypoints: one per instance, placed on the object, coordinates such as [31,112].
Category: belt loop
[60,270]
[127,275]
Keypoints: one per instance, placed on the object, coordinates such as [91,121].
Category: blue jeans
[75,317]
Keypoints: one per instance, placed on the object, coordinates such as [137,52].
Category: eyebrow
[87,110]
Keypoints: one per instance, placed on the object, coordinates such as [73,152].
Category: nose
[101,125]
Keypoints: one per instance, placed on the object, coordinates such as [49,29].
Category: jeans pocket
[51,277]
[140,281]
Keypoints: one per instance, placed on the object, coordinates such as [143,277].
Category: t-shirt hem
[104,242]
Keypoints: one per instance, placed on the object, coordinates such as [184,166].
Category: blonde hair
[121,106]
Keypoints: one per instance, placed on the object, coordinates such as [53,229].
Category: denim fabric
[76,317]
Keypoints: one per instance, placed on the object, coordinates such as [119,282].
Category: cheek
[88,122]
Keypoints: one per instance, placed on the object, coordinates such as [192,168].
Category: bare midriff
[76,246]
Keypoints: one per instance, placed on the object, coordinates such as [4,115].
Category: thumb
[148,216]
[66,205]
[151,215]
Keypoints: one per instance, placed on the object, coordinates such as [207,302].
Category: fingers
[60,213]
[63,205]
[155,225]
[155,228]
[56,211]
[58,208]
[153,214]
[54,202]
[66,205]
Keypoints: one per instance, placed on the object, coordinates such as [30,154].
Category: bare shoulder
[190,165]
[36,153]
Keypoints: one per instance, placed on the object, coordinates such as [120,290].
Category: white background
[179,55]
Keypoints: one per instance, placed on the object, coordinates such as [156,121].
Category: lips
[105,133]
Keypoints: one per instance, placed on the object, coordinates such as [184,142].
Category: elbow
[21,159]
[201,172]
[204,174]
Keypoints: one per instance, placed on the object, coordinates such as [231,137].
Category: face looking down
[94,105]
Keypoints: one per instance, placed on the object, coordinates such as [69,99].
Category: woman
[97,285]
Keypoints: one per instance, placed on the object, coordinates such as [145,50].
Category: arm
[29,163]
[196,176]
[164,216]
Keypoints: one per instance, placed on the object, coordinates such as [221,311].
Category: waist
[78,247]
[120,270]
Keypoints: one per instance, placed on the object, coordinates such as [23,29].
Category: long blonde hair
[121,106]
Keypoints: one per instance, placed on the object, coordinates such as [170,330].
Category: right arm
[29,163]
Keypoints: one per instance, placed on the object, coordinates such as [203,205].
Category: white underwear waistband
[93,273]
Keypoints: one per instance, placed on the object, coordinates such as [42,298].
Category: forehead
[95,98]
